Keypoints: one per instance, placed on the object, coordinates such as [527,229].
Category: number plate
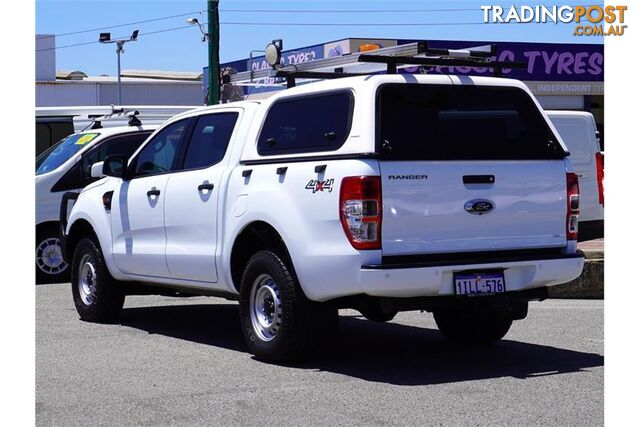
[480,283]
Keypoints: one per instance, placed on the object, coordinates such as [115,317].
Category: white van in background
[580,135]
[67,167]
[55,123]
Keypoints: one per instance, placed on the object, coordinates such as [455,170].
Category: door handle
[153,192]
[205,186]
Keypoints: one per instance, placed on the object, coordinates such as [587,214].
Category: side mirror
[96,170]
[115,166]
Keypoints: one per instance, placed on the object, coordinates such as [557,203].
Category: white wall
[45,57]
[62,93]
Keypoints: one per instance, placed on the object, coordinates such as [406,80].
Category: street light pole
[214,51]
[106,38]
[119,49]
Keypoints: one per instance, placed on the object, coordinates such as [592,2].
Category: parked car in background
[67,167]
[579,133]
[55,123]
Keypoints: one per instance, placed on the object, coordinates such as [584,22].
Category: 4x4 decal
[316,185]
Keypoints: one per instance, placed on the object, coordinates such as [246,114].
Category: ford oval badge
[479,206]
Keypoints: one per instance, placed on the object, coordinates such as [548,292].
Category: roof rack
[116,114]
[86,110]
[387,60]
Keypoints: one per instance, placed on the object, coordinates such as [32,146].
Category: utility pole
[214,51]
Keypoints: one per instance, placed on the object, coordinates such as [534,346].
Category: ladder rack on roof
[387,60]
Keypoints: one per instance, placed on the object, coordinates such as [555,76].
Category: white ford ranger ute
[381,193]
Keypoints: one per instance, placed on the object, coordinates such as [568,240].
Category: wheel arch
[255,236]
[45,226]
[79,229]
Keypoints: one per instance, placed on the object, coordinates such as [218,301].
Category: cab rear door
[192,197]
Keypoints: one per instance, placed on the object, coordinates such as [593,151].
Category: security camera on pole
[106,38]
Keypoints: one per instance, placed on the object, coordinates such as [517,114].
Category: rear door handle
[205,186]
[153,192]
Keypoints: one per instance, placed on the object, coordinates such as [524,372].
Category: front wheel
[96,294]
[278,322]
[474,327]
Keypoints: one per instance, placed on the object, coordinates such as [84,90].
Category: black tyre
[474,327]
[96,294]
[50,267]
[278,322]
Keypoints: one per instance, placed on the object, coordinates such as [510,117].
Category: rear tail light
[600,176]
[573,206]
[361,210]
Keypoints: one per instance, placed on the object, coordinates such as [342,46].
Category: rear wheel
[96,294]
[50,266]
[278,322]
[477,327]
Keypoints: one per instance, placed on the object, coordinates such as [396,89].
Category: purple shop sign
[295,56]
[289,57]
[545,61]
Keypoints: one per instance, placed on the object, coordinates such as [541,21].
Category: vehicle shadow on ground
[389,353]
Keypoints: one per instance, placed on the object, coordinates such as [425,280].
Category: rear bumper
[429,279]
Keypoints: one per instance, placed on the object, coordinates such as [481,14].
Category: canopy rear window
[446,122]
[307,124]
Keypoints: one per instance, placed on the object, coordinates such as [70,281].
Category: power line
[162,18]
[62,47]
[353,24]
[366,10]
[347,11]
[251,11]
[166,30]
[289,24]
[125,25]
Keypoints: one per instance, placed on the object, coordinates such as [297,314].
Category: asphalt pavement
[183,361]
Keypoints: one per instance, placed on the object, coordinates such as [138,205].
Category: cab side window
[159,154]
[209,140]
